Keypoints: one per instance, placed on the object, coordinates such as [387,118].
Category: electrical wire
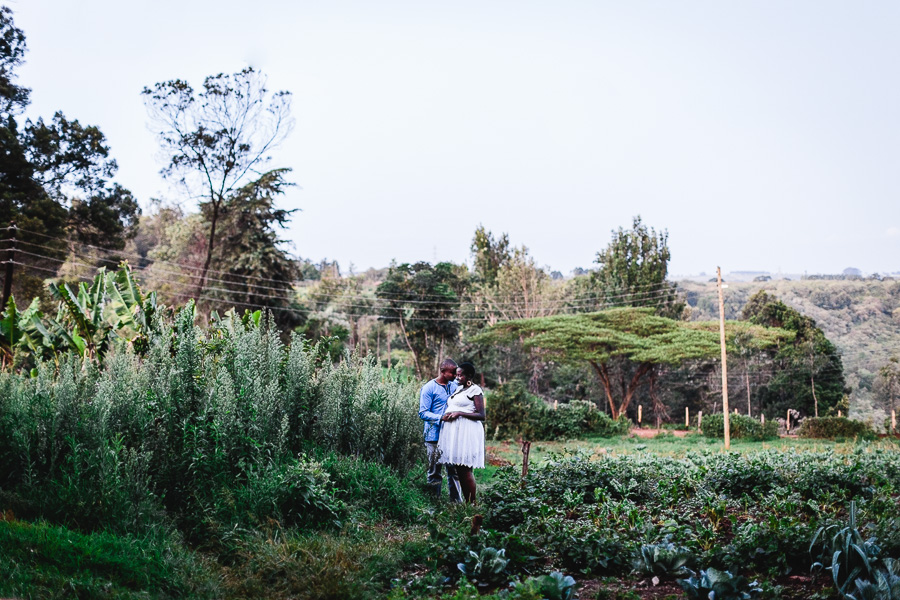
[565,305]
[665,284]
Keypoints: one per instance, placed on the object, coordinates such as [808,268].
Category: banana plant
[112,309]
[83,312]
[30,330]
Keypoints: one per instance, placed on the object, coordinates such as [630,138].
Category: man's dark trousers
[435,478]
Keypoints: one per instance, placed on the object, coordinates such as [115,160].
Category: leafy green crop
[713,584]
[487,567]
[845,553]
[665,559]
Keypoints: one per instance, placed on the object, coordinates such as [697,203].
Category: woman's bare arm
[478,415]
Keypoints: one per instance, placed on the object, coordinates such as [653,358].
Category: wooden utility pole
[10,257]
[747,379]
[724,360]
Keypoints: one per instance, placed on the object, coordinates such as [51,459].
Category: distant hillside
[862,318]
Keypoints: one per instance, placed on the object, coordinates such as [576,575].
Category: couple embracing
[452,406]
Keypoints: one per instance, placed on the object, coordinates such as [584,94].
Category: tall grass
[210,428]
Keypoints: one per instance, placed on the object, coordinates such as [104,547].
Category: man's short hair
[448,363]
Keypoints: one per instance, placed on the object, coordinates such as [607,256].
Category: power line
[669,286]
[450,304]
[224,301]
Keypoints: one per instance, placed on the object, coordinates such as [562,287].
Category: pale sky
[763,135]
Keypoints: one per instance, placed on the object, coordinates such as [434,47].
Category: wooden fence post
[762,417]
[687,417]
[700,420]
[893,421]
[640,414]
[788,422]
[526,450]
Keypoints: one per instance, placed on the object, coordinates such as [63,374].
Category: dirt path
[649,433]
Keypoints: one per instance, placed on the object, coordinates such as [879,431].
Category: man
[432,404]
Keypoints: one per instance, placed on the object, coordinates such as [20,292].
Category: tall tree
[13,97]
[807,373]
[632,272]
[55,178]
[889,373]
[259,271]
[508,285]
[489,254]
[422,300]
[635,335]
[218,139]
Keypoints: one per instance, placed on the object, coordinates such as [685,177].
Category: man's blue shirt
[432,404]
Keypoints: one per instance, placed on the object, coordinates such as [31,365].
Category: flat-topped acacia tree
[635,335]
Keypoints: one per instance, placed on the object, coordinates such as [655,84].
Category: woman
[461,442]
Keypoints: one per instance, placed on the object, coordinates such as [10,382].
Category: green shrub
[293,492]
[835,427]
[742,427]
[204,429]
[513,412]
[376,488]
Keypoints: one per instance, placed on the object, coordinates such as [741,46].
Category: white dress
[461,441]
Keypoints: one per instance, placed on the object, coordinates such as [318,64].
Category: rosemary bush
[210,428]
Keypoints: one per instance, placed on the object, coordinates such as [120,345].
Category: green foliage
[55,178]
[586,550]
[633,269]
[554,586]
[375,488]
[12,96]
[515,413]
[204,430]
[41,560]
[886,584]
[489,255]
[421,300]
[487,567]
[602,514]
[112,311]
[216,140]
[664,559]
[741,427]
[845,553]
[809,373]
[835,427]
[259,271]
[713,584]
[634,334]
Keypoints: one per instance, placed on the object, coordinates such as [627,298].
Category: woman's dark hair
[468,370]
